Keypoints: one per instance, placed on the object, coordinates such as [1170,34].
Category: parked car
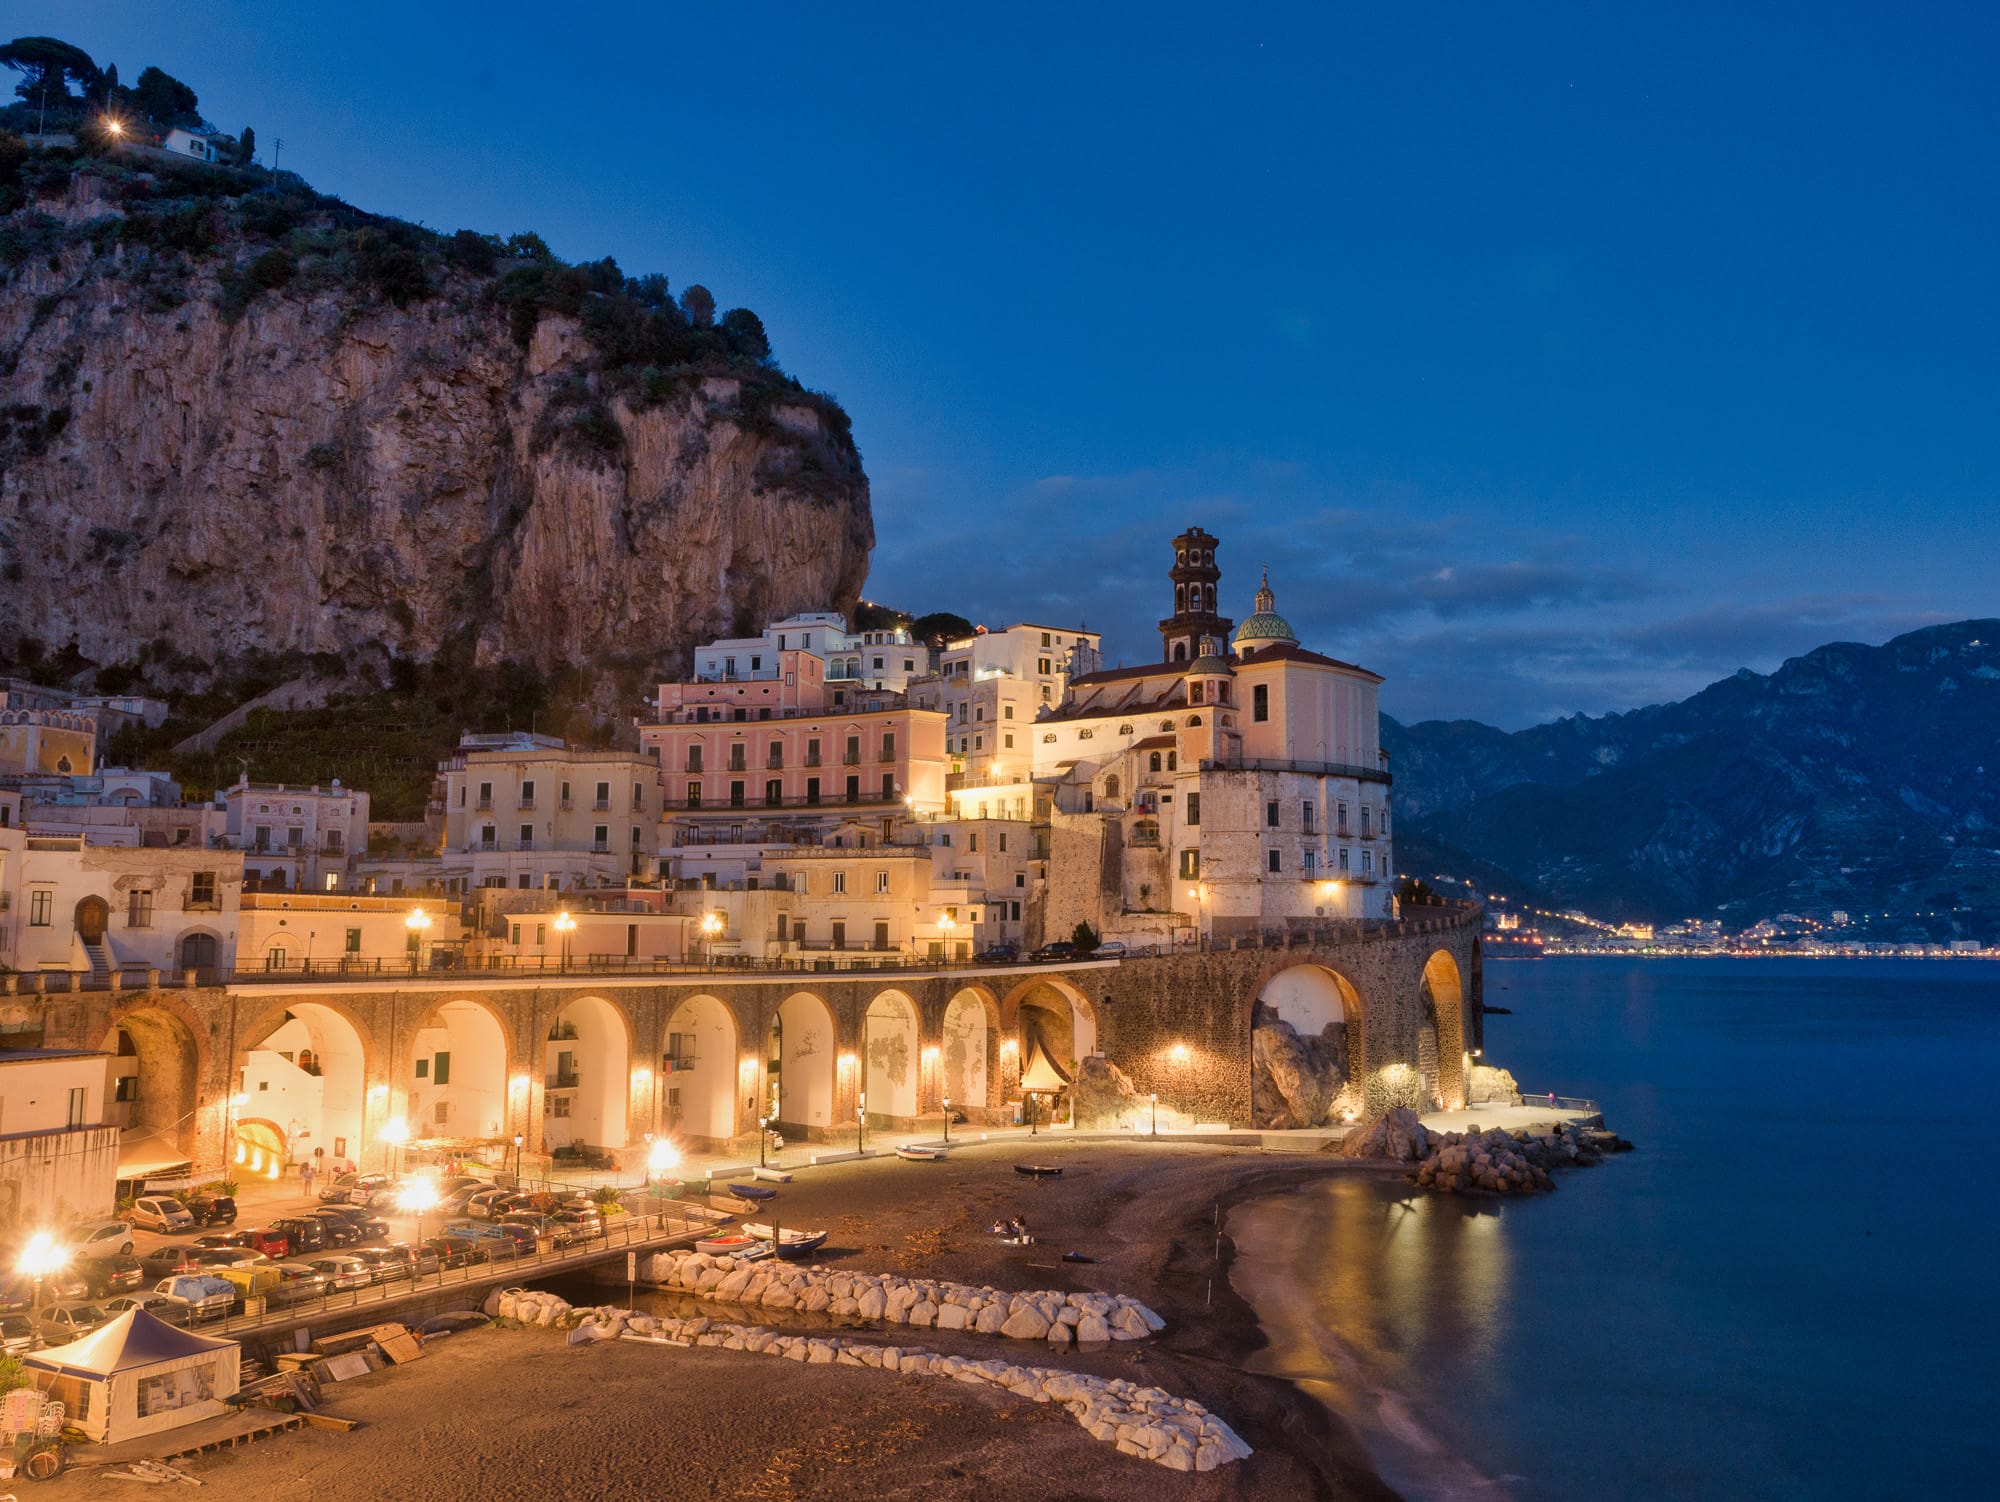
[164,1260]
[156,1212]
[344,1272]
[454,1251]
[22,1292]
[305,1234]
[462,1181]
[538,1226]
[297,1281]
[1110,949]
[488,1203]
[99,1238]
[585,1225]
[272,1243]
[338,1229]
[203,1296]
[389,1264]
[357,1189]
[18,1335]
[1062,949]
[67,1322]
[371,1225]
[1003,953]
[156,1304]
[498,1239]
[219,1211]
[112,1274]
[225,1256]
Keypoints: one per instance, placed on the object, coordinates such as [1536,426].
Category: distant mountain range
[1855,777]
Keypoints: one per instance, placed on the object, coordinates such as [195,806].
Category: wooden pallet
[279,1424]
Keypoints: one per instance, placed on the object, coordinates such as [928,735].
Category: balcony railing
[832,798]
[1308,768]
[561,1080]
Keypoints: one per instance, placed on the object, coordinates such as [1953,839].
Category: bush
[1085,938]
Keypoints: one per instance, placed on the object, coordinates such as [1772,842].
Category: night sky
[1556,358]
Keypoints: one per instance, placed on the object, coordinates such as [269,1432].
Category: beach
[503,1413]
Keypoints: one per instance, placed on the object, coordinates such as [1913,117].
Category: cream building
[529,813]
[296,839]
[58,1151]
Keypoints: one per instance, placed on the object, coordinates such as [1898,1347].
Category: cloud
[1522,584]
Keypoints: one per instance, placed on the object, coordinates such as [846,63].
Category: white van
[160,1213]
[100,1238]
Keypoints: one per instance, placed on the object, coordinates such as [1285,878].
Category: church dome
[1266,627]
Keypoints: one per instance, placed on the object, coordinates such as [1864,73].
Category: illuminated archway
[1444,995]
[803,1059]
[459,1086]
[587,1076]
[965,1075]
[1051,1011]
[1307,1047]
[308,1072]
[700,1074]
[889,1056]
[156,1069]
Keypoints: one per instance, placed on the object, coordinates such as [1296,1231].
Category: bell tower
[1195,577]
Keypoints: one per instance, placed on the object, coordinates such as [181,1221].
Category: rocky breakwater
[1146,1423]
[1474,1162]
[1045,1315]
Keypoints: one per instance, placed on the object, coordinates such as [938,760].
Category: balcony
[561,1080]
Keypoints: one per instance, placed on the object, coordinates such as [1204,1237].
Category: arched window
[1194,692]
[1193,720]
[1111,789]
[1180,597]
[1154,764]
[1180,651]
[1173,761]
[1166,724]
[1180,556]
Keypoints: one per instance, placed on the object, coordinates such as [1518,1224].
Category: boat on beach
[788,1244]
[916,1154]
[752,1192]
[1038,1170]
[737,1245]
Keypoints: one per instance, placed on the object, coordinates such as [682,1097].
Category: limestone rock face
[331,474]
[1294,1080]
[1493,1085]
[1106,1098]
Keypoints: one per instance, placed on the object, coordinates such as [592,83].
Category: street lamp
[945,925]
[395,1132]
[861,1122]
[418,922]
[947,1118]
[1155,1098]
[417,1196]
[236,1103]
[661,1157]
[711,925]
[565,925]
[763,1137]
[518,1140]
[41,1256]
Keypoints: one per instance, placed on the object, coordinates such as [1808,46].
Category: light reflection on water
[1787,1292]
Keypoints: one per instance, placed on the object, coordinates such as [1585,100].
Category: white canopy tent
[138,1375]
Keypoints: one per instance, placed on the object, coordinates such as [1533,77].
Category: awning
[147,1156]
[1041,1077]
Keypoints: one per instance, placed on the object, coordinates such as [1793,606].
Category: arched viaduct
[608,1059]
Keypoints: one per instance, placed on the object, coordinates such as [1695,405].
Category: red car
[273,1244]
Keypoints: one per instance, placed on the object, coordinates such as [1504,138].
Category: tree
[13,157]
[246,147]
[1085,938]
[746,334]
[166,100]
[699,305]
[46,66]
[945,623]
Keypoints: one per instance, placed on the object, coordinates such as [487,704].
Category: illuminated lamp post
[661,1157]
[712,924]
[518,1141]
[945,925]
[763,1137]
[1155,1100]
[947,1119]
[418,923]
[565,925]
[232,1150]
[41,1256]
[395,1132]
[861,1122]
[417,1196]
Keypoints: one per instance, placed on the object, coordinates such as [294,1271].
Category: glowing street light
[711,926]
[763,1137]
[661,1158]
[41,1256]
[861,1121]
[417,1196]
[418,923]
[947,1118]
[565,925]
[395,1132]
[945,925]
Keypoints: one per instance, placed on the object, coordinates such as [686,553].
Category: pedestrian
[306,1179]
[1552,1099]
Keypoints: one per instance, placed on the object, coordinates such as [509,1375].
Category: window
[881,881]
[735,796]
[693,765]
[1008,740]
[889,746]
[1190,864]
[1194,808]
[1367,863]
[527,837]
[485,795]
[604,788]
[1006,711]
[1084,735]
[812,752]
[1342,814]
[1003,842]
[600,835]
[888,787]
[1343,858]
[1153,762]
[1271,859]
[1173,761]
[853,756]
[881,928]
[139,909]
[854,790]
[693,798]
[774,792]
[979,711]
[1015,907]
[944,838]
[639,791]
[1045,642]
[1260,702]
[528,793]
[293,836]
[76,1098]
[774,758]
[1306,817]
[1042,665]
[812,790]
[1271,814]
[1365,812]
[1310,860]
[125,1087]
[353,941]
[332,842]
[979,743]
[839,934]
[201,889]
[972,842]
[909,665]
[1049,738]
[565,786]
[260,838]
[878,664]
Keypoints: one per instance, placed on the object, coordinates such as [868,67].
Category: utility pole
[277,145]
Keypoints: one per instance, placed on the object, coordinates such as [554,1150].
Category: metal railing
[1556,1102]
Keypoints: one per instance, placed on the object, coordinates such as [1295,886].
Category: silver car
[343,1272]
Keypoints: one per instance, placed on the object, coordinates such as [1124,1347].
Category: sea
[1791,1289]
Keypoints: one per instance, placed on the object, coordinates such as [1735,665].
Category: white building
[296,839]
[58,1151]
[991,686]
[880,659]
[200,145]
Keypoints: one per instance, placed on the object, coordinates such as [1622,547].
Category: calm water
[1787,1292]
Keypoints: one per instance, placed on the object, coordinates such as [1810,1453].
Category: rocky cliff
[227,426]
[1865,778]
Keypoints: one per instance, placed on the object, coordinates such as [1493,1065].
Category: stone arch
[1444,994]
[478,1099]
[587,1069]
[1308,1048]
[889,1056]
[1049,1008]
[306,1065]
[803,1051]
[160,1051]
[699,1070]
[966,1073]
[262,1149]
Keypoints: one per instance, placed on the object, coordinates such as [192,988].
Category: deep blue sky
[1556,358]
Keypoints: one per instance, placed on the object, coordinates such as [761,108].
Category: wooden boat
[789,1244]
[920,1154]
[752,1192]
[727,1246]
[772,1175]
[1037,1171]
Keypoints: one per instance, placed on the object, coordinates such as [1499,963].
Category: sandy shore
[495,1414]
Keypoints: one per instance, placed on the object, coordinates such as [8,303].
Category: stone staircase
[100,961]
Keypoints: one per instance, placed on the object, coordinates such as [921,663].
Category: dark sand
[501,1414]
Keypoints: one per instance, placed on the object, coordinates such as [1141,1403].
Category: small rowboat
[920,1154]
[727,1246]
[1037,1171]
[790,1244]
[752,1192]
[772,1175]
